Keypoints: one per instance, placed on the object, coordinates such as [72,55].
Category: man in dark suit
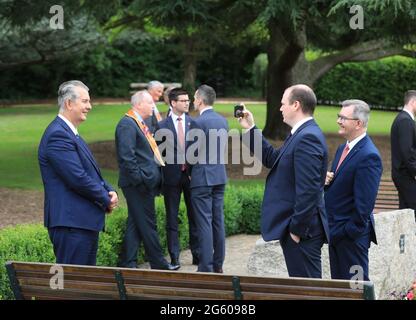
[140,179]
[155,89]
[76,195]
[208,179]
[403,152]
[176,177]
[351,192]
[293,209]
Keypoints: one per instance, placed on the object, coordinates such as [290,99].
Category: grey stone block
[392,262]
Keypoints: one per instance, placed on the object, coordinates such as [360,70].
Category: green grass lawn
[22,127]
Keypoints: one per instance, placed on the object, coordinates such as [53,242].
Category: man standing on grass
[76,195]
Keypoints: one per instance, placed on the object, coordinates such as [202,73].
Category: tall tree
[28,35]
[297,25]
[196,26]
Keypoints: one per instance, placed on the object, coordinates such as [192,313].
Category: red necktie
[181,139]
[181,135]
[343,156]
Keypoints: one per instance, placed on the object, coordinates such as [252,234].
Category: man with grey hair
[350,194]
[155,89]
[403,152]
[140,178]
[76,195]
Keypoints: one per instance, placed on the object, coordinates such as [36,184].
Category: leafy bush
[111,239]
[232,211]
[22,243]
[31,242]
[251,200]
[380,83]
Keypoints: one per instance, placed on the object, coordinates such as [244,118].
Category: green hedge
[380,83]
[31,242]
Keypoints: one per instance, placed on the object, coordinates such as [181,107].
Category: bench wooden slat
[276,296]
[68,276]
[68,284]
[387,197]
[313,291]
[41,291]
[305,282]
[181,284]
[179,292]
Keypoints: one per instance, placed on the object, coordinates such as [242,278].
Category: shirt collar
[297,125]
[352,143]
[175,117]
[207,108]
[138,116]
[69,123]
[410,113]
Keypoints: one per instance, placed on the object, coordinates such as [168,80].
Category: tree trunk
[189,65]
[284,54]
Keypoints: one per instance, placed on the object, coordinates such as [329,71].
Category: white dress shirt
[175,121]
[352,143]
[298,124]
[69,123]
[410,113]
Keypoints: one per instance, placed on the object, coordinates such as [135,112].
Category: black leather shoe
[175,262]
[167,266]
[173,267]
[195,261]
[218,270]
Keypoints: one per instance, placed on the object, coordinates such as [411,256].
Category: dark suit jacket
[210,168]
[76,195]
[403,147]
[135,157]
[172,171]
[351,196]
[293,196]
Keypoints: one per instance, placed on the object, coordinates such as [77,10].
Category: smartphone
[238,111]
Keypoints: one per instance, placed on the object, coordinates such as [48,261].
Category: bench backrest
[33,281]
[387,197]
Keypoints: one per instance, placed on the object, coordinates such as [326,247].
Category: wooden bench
[32,281]
[136,86]
[387,197]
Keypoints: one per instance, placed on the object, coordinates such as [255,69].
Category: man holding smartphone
[293,209]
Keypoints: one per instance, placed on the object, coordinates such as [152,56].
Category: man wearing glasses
[176,175]
[350,193]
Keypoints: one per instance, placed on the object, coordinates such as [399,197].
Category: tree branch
[374,55]
[365,51]
[124,21]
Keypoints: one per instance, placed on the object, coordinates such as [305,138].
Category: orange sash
[148,136]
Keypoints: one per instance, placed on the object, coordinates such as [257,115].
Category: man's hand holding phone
[244,116]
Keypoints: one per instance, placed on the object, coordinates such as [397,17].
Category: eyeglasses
[343,118]
[186,101]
